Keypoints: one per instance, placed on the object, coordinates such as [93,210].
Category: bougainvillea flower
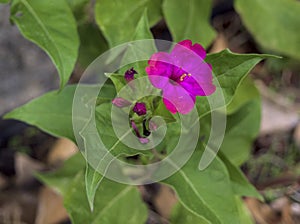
[182,75]
[140,109]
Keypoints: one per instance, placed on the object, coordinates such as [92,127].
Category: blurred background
[273,166]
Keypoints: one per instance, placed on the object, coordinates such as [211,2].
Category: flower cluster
[181,74]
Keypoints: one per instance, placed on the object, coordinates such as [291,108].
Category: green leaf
[206,193]
[4,1]
[112,143]
[80,9]
[114,202]
[142,30]
[189,20]
[51,112]
[92,43]
[181,215]
[60,180]
[240,183]
[92,181]
[139,50]
[244,214]
[273,23]
[244,93]
[50,25]
[242,128]
[105,121]
[118,81]
[229,69]
[162,111]
[118,21]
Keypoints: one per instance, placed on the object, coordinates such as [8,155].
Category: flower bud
[136,130]
[129,74]
[140,109]
[120,102]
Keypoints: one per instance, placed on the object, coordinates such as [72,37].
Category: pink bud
[120,102]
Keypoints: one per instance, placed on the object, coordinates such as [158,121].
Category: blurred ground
[273,168]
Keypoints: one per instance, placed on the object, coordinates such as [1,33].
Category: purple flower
[182,75]
[120,102]
[129,75]
[140,109]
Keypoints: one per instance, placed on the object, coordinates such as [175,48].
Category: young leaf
[189,20]
[118,21]
[275,28]
[206,193]
[92,179]
[114,202]
[50,25]
[118,81]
